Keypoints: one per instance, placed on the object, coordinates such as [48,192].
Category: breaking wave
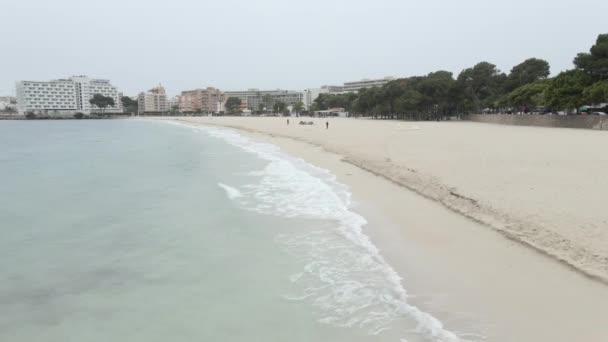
[344,275]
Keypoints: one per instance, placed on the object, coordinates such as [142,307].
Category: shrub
[30,115]
[78,116]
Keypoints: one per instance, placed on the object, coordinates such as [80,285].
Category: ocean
[147,230]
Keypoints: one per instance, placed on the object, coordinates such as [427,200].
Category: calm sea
[133,230]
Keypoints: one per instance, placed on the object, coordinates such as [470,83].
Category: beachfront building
[311,94]
[263,100]
[65,96]
[209,100]
[332,89]
[153,101]
[353,87]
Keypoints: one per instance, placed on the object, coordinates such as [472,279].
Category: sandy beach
[456,206]
[540,186]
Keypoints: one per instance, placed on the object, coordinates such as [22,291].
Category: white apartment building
[309,96]
[353,87]
[65,96]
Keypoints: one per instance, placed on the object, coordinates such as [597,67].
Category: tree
[481,86]
[267,101]
[233,105]
[595,63]
[101,101]
[528,96]
[409,103]
[365,100]
[435,88]
[326,101]
[279,107]
[565,91]
[320,103]
[129,105]
[298,107]
[529,71]
[596,93]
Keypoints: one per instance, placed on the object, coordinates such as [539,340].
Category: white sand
[539,186]
[544,187]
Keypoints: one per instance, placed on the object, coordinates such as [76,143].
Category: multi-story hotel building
[153,101]
[353,87]
[209,100]
[65,96]
[257,99]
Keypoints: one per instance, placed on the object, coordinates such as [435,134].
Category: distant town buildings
[72,95]
[65,96]
[260,100]
[209,100]
[153,101]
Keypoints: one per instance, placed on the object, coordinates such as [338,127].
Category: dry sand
[539,186]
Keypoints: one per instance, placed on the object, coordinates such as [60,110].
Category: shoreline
[471,278]
[541,237]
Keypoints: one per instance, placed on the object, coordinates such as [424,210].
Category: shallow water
[149,231]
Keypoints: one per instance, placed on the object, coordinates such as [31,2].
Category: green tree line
[483,88]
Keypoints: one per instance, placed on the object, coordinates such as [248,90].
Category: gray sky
[238,44]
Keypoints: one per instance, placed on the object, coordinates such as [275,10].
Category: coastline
[544,204]
[437,252]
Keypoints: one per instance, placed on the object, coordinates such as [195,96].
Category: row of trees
[102,102]
[484,88]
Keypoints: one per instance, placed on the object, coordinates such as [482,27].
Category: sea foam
[231,192]
[345,276]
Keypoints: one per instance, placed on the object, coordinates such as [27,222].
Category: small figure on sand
[326,124]
[287,122]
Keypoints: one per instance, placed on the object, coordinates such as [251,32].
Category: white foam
[345,275]
[231,192]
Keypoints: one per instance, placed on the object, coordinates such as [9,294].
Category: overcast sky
[238,44]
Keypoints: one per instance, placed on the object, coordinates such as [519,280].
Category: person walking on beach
[287,122]
[326,124]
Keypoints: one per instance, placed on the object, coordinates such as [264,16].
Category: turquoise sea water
[134,230]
